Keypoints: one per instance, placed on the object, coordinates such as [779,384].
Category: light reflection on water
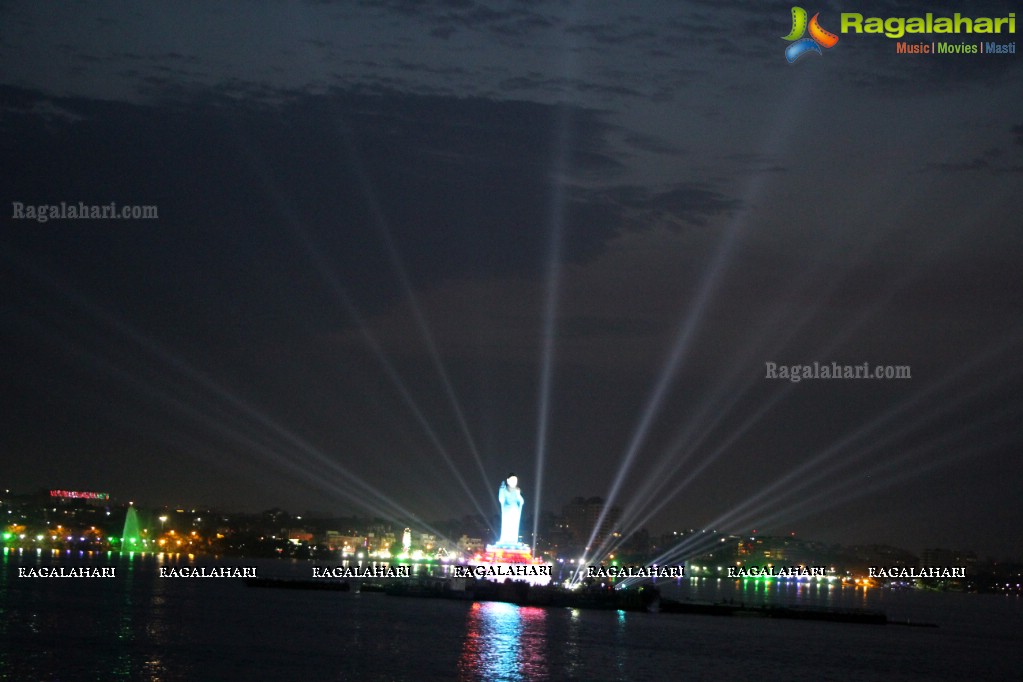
[504,642]
[142,627]
[756,592]
[122,623]
[621,642]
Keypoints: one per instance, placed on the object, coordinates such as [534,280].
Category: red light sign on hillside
[79,495]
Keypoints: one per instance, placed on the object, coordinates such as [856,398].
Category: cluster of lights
[91,534]
[709,572]
[793,578]
[79,495]
[507,557]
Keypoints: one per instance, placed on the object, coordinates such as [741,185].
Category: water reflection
[124,624]
[757,592]
[621,646]
[785,592]
[504,642]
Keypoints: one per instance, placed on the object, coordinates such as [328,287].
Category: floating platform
[862,616]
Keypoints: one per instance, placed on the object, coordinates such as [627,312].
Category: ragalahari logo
[818,36]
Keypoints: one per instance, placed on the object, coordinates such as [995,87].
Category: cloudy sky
[404,248]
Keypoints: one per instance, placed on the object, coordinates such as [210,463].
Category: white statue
[511,511]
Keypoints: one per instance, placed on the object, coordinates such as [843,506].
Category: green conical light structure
[130,535]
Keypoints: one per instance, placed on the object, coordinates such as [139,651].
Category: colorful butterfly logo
[818,36]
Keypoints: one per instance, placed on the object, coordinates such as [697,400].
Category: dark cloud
[650,143]
[955,167]
[446,17]
[691,203]
[627,30]
[994,159]
[465,186]
[537,83]
[1017,132]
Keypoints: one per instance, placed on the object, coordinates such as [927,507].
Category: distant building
[296,535]
[427,542]
[949,557]
[864,556]
[468,545]
[345,543]
[580,517]
[388,541]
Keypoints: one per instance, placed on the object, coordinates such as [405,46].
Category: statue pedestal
[519,553]
[512,562]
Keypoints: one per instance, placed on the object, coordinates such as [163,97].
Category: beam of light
[550,313]
[211,416]
[733,517]
[873,426]
[663,479]
[853,459]
[687,328]
[793,484]
[828,498]
[390,371]
[182,368]
[712,412]
[782,132]
[546,371]
[651,491]
[298,458]
[383,230]
[858,472]
[663,499]
[367,336]
[653,495]
[719,405]
[937,247]
[552,278]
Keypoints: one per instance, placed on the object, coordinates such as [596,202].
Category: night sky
[405,248]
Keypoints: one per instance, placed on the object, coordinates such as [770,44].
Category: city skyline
[563,534]
[403,249]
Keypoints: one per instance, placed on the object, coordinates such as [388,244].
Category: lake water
[142,627]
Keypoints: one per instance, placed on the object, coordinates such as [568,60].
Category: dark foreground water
[141,627]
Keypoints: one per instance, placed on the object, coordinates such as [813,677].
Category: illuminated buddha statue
[511,511]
